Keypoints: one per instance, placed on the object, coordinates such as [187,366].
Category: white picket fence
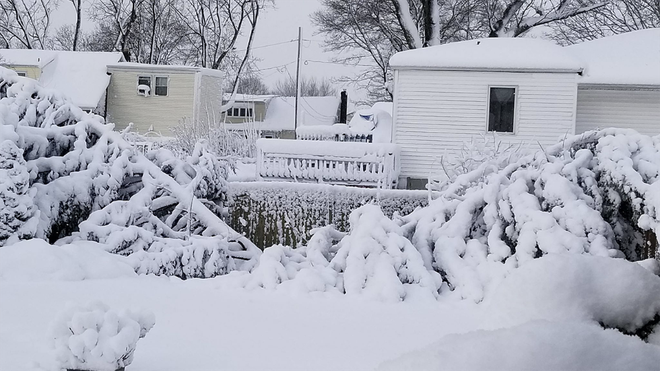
[346,163]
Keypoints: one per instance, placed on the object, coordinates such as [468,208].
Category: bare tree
[309,87]
[251,83]
[25,23]
[617,16]
[119,17]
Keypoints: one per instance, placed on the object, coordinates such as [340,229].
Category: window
[240,112]
[21,73]
[144,85]
[502,106]
[161,86]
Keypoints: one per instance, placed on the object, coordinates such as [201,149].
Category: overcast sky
[280,24]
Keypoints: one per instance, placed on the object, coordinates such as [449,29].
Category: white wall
[633,109]
[436,112]
[209,99]
[163,112]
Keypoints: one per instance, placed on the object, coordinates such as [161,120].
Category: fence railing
[334,133]
[347,163]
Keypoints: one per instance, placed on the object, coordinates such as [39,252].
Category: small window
[144,85]
[501,111]
[161,86]
[242,114]
[21,73]
[236,112]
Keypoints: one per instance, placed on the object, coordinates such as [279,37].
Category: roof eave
[490,69]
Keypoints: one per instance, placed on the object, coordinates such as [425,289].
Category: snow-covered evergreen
[88,183]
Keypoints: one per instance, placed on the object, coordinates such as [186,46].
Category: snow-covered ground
[545,315]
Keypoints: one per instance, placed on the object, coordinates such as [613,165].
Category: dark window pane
[242,112]
[501,109]
[144,80]
[249,112]
[161,86]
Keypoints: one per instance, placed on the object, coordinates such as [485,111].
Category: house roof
[313,111]
[79,75]
[631,58]
[27,57]
[163,68]
[248,97]
[496,54]
[280,113]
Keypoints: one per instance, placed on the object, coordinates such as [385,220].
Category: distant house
[621,82]
[79,75]
[156,98]
[274,116]
[525,90]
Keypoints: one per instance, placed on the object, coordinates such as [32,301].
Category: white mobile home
[523,89]
[621,82]
[156,98]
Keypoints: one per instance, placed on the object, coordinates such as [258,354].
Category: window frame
[514,130]
[137,86]
[167,86]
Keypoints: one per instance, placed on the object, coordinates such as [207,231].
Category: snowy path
[200,326]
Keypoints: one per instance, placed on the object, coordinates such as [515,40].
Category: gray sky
[280,24]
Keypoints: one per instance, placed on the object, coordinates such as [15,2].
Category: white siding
[436,112]
[210,99]
[633,109]
[163,112]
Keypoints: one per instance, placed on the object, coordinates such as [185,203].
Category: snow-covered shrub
[223,141]
[16,206]
[89,183]
[374,260]
[485,154]
[274,213]
[96,338]
[559,312]
[596,193]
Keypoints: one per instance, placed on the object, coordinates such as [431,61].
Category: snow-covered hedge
[278,213]
[595,194]
[87,183]
[96,338]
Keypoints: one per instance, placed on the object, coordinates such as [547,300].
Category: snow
[492,54]
[81,76]
[631,58]
[95,337]
[36,260]
[280,113]
[536,345]
[163,68]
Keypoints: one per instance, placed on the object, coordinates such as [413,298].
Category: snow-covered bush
[595,194]
[96,338]
[559,312]
[374,260]
[223,141]
[16,206]
[89,183]
[485,154]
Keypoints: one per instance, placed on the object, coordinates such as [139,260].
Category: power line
[267,45]
[340,63]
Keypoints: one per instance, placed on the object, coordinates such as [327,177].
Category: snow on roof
[163,67]
[499,54]
[313,111]
[248,97]
[631,58]
[27,57]
[79,75]
[384,106]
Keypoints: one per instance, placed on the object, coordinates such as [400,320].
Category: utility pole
[298,81]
